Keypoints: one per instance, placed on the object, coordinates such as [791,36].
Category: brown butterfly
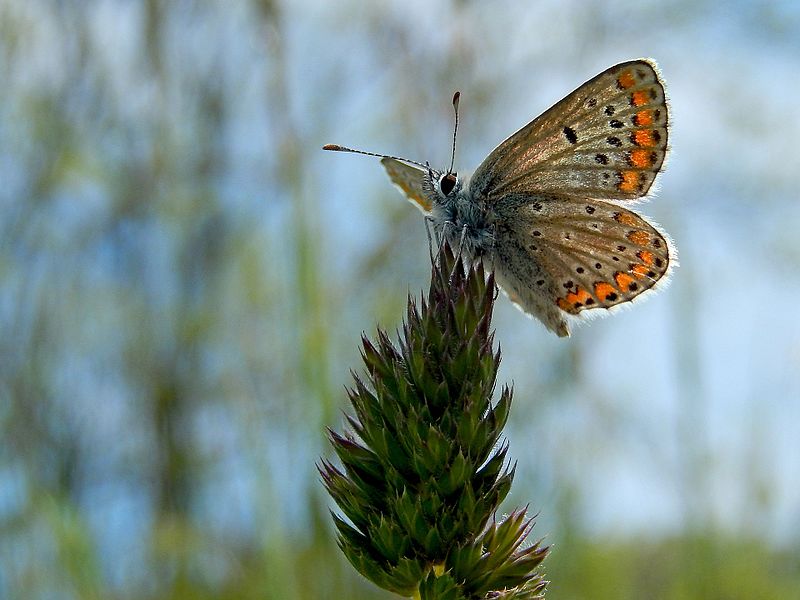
[547,209]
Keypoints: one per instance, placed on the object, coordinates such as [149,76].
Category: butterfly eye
[447,183]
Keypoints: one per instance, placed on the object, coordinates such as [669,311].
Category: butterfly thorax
[456,216]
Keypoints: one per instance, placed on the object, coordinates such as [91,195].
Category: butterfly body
[547,208]
[456,216]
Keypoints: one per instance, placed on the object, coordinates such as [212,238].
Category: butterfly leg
[460,259]
[428,225]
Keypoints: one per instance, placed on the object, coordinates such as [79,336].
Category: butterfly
[548,208]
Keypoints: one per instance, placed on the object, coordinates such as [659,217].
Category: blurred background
[184,277]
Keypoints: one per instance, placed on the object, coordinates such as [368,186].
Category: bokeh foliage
[178,314]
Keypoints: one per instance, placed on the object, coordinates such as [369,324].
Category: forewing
[410,180]
[605,140]
[559,256]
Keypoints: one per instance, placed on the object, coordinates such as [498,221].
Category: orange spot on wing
[646,256]
[639,237]
[629,182]
[644,137]
[603,290]
[581,295]
[639,98]
[626,80]
[574,300]
[626,218]
[641,158]
[640,271]
[623,280]
[644,118]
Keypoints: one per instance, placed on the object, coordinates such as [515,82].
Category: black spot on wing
[570,134]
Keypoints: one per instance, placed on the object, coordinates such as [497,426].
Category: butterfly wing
[410,180]
[605,140]
[559,257]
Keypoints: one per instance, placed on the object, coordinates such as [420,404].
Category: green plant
[424,467]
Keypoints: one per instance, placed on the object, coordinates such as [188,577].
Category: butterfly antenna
[337,148]
[456,98]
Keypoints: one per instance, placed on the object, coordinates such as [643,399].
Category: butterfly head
[448,185]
